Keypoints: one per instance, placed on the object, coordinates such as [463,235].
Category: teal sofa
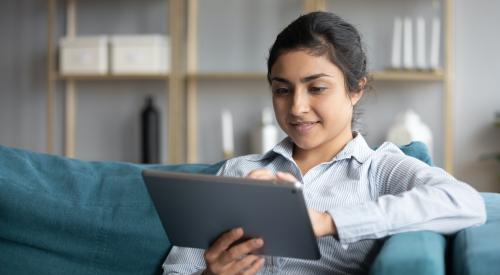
[67,216]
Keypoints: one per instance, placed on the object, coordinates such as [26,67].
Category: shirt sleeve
[413,197]
[182,260]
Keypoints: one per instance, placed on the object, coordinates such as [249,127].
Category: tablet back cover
[196,209]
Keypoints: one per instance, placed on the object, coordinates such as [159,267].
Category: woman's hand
[322,223]
[223,257]
[266,174]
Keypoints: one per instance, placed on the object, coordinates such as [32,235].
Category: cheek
[280,112]
[279,107]
[334,110]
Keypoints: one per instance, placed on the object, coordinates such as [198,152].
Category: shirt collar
[357,148]
[284,148]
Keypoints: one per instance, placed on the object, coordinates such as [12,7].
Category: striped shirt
[370,194]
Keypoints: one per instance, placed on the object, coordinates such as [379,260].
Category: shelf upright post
[70,98]
[314,5]
[51,70]
[449,82]
[176,110]
[192,84]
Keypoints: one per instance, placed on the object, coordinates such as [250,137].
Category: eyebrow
[303,80]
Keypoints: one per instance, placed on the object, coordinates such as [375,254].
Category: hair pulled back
[324,33]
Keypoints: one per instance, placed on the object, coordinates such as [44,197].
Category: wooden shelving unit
[182,82]
[174,81]
[446,76]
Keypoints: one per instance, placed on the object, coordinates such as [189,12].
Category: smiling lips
[303,126]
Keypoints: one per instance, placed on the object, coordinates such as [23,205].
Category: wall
[477,93]
[241,45]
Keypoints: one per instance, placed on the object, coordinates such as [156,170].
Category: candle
[408,44]
[421,43]
[227,134]
[435,39]
[396,43]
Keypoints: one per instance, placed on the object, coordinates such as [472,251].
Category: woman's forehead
[303,64]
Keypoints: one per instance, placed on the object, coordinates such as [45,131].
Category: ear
[357,95]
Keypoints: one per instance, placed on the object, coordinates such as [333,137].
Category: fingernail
[259,242]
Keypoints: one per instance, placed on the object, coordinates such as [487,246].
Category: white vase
[266,136]
[409,127]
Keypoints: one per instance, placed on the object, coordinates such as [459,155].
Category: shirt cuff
[358,222]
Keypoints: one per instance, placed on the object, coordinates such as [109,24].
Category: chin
[305,145]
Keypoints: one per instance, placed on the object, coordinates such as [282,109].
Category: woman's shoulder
[390,152]
[387,149]
[389,158]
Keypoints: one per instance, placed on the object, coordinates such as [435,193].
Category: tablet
[196,209]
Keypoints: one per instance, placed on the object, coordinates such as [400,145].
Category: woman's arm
[413,197]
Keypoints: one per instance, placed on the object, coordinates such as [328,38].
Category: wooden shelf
[385,75]
[388,75]
[407,75]
[113,77]
[443,76]
[227,75]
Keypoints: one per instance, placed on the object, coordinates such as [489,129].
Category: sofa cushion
[65,216]
[476,250]
[411,253]
[417,150]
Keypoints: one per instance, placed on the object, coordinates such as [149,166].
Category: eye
[281,90]
[317,89]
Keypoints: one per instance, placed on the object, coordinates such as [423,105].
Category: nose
[300,103]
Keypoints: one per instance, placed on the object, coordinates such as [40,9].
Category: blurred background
[216,61]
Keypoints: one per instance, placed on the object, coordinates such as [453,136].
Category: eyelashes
[286,90]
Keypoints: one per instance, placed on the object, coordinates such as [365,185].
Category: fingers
[237,251]
[261,174]
[223,243]
[322,223]
[266,174]
[248,265]
[221,257]
[286,177]
[256,266]
[315,217]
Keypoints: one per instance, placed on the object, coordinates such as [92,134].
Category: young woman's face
[310,99]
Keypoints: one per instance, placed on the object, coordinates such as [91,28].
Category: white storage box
[83,55]
[140,54]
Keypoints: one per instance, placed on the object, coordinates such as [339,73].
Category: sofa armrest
[476,250]
[409,253]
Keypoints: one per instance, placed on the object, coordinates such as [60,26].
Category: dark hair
[323,33]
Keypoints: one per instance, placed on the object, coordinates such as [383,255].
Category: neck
[309,158]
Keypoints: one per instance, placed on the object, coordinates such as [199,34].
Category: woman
[317,72]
